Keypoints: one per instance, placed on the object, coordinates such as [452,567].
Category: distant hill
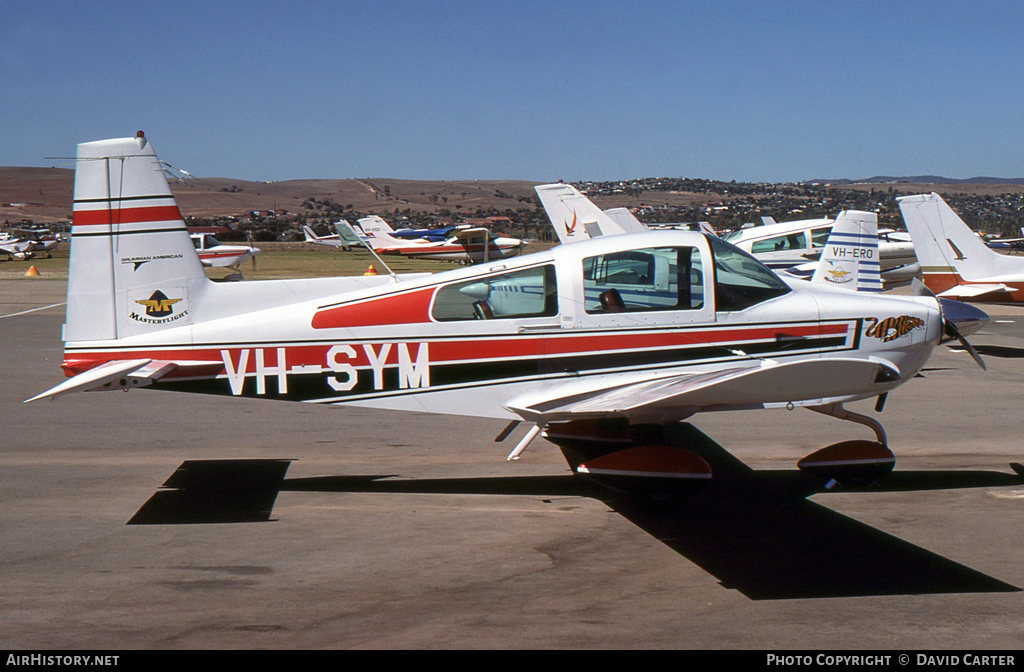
[922,179]
[45,195]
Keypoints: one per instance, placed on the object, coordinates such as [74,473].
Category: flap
[673,397]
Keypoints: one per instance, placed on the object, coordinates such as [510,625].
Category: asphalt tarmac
[933,560]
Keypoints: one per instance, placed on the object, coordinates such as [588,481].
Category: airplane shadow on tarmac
[755,531]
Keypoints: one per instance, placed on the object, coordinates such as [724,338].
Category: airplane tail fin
[850,257]
[707,229]
[379,232]
[945,245]
[132,265]
[311,237]
[573,215]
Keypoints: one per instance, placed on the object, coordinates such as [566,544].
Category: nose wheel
[856,460]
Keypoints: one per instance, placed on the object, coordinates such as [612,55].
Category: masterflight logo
[159,309]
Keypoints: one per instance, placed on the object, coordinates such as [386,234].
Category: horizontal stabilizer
[975,289]
[131,373]
[96,377]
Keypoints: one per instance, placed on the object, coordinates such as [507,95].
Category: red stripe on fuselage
[406,308]
[443,351]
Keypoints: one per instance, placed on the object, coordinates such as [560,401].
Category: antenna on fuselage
[366,244]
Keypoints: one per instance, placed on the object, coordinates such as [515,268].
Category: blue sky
[779,90]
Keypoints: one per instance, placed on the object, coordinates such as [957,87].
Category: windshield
[741,280]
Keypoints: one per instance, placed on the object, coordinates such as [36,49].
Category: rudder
[132,263]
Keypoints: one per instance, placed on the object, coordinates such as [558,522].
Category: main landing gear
[677,456]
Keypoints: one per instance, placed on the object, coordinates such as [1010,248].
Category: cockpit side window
[653,278]
[741,280]
[791,241]
[528,293]
[820,236]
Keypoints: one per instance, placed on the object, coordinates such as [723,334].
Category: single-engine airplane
[214,253]
[344,237]
[468,245]
[330,240]
[16,248]
[599,344]
[956,263]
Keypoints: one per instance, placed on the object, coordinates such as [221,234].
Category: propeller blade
[951,330]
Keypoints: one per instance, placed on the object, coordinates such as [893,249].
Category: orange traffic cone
[32,272]
[371,270]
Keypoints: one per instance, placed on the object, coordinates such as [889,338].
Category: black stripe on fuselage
[465,375]
[553,333]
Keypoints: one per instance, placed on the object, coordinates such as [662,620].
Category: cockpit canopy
[670,277]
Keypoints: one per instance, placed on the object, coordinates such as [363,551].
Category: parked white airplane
[646,329]
[39,240]
[468,245]
[787,244]
[345,236]
[16,248]
[214,253]
[956,263]
[331,240]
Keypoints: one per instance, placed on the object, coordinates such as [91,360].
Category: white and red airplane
[469,245]
[214,253]
[597,343]
[345,236]
[16,248]
[956,262]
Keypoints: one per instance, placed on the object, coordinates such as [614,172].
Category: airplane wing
[801,383]
[463,234]
[311,237]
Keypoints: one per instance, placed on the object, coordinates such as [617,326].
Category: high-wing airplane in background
[214,253]
[599,344]
[956,262]
[345,237]
[331,240]
[468,245]
[16,248]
